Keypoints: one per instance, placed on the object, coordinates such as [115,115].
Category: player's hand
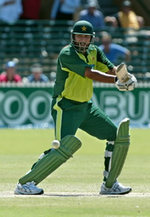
[128,85]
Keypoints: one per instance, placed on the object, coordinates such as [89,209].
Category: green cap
[83,27]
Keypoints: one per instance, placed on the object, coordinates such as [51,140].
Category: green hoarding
[132,104]
[22,105]
[25,105]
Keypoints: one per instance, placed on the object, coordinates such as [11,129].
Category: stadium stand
[108,7]
[32,41]
[138,42]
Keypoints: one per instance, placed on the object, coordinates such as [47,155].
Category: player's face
[83,38]
[82,41]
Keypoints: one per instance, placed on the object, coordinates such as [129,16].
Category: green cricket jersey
[71,82]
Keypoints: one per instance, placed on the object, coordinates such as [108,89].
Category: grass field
[73,189]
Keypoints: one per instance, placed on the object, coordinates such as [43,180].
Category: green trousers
[70,115]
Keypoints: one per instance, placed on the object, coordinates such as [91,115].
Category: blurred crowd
[10,74]
[90,10]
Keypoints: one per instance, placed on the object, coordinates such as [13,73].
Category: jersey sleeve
[71,62]
[103,64]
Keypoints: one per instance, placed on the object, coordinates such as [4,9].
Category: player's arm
[100,76]
[112,71]
[109,76]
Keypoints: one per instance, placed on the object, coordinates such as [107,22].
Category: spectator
[64,9]
[52,76]
[114,52]
[126,18]
[10,10]
[92,14]
[10,73]
[45,10]
[37,74]
[31,9]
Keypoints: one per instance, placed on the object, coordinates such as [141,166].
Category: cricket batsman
[79,64]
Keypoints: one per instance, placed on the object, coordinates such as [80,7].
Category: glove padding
[122,73]
[128,85]
[126,81]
